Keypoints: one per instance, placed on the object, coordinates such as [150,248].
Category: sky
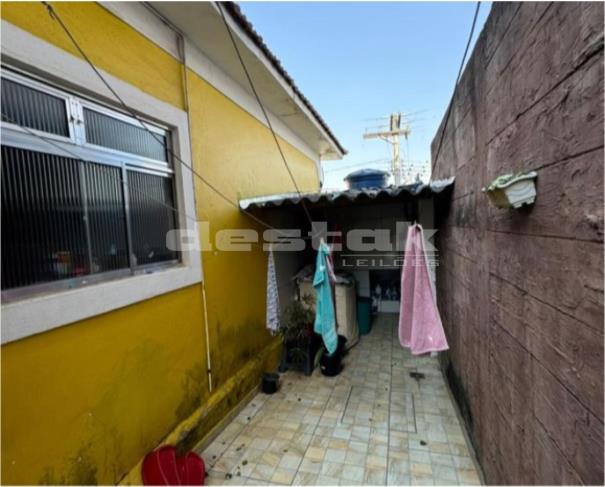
[358,62]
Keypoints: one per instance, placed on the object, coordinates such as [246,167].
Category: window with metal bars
[87,192]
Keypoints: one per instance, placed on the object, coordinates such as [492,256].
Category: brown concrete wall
[521,291]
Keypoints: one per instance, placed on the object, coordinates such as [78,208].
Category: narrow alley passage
[372,424]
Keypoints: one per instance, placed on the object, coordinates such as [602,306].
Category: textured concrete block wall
[521,291]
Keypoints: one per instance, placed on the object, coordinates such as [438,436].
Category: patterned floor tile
[371,425]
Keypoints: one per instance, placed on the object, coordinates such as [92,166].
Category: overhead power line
[262,107]
[76,157]
[336,168]
[53,14]
[449,107]
[73,155]
[391,134]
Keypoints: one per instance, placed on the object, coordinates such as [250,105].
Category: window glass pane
[106,217]
[65,218]
[115,134]
[22,105]
[43,228]
[151,199]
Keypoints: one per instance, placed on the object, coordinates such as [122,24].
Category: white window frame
[15,136]
[37,314]
[76,142]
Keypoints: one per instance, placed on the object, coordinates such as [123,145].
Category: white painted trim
[252,47]
[73,74]
[146,22]
[38,314]
[200,64]
[149,25]
[27,317]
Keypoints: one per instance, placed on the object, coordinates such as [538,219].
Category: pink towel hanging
[420,327]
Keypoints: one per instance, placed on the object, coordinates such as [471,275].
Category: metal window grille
[110,132]
[69,221]
[33,108]
[43,227]
[106,217]
[150,220]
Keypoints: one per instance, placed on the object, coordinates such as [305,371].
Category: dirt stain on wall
[82,471]
[194,386]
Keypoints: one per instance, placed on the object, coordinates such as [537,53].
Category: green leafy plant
[297,327]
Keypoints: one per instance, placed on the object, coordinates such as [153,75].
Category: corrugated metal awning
[351,195]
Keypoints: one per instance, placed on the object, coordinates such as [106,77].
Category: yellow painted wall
[81,404]
[111,44]
[84,403]
[242,158]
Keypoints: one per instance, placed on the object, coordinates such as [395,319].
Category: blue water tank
[367,178]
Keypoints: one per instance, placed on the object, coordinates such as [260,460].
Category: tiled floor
[372,424]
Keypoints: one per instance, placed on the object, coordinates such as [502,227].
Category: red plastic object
[163,467]
[191,469]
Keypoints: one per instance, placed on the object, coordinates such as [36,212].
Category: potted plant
[512,190]
[300,343]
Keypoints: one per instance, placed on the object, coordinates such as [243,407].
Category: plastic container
[367,178]
[331,365]
[345,302]
[164,467]
[364,314]
[270,383]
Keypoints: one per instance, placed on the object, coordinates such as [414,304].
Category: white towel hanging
[273,323]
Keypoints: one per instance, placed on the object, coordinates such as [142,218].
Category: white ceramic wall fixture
[512,190]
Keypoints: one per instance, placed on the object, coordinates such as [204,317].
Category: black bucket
[331,365]
[270,383]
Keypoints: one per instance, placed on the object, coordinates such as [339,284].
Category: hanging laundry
[325,317]
[420,327]
[273,323]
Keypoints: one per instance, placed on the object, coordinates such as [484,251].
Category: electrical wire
[357,164]
[77,157]
[260,103]
[53,14]
[449,107]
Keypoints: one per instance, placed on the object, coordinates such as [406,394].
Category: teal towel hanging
[325,317]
